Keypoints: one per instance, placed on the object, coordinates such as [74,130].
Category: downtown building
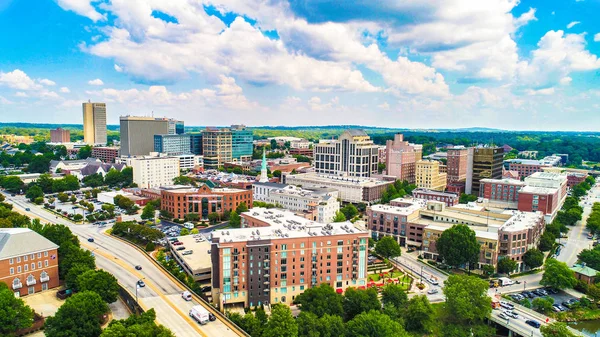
[94,123]
[401,158]
[459,163]
[487,164]
[216,146]
[353,154]
[137,134]
[28,261]
[172,144]
[545,192]
[277,255]
[428,175]
[60,135]
[107,154]
[154,171]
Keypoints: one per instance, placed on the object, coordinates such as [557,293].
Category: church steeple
[263,169]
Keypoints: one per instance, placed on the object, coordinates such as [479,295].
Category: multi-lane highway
[161,292]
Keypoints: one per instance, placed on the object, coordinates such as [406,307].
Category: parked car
[180,248]
[556,307]
[533,323]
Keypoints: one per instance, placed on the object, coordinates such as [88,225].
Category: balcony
[16,286]
[44,278]
[267,275]
[31,282]
[267,290]
[266,282]
[267,260]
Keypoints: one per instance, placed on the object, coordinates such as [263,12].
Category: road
[577,240]
[161,292]
[419,269]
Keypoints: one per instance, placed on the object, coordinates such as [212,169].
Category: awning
[339,291]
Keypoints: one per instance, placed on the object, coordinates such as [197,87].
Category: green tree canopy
[339,217]
[235,220]
[281,323]
[184,180]
[321,300]
[349,211]
[142,325]
[419,314]
[556,329]
[388,247]
[374,324]
[39,164]
[34,192]
[506,265]
[357,301]
[100,282]
[547,241]
[80,315]
[12,184]
[14,313]
[72,277]
[558,275]
[242,207]
[395,295]
[533,258]
[467,300]
[542,304]
[148,212]
[458,246]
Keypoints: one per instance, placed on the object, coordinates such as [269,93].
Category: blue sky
[416,64]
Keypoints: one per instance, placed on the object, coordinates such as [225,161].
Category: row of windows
[26,267]
[27,257]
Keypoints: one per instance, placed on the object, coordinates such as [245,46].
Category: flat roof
[432,192]
[199,259]
[538,190]
[478,232]
[521,220]
[283,224]
[316,177]
[507,181]
[413,207]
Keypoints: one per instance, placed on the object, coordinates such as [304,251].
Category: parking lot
[562,300]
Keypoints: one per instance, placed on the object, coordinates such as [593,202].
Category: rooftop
[315,177]
[506,181]
[478,232]
[527,161]
[538,190]
[199,259]
[283,224]
[521,220]
[584,270]
[22,241]
[432,192]
[399,210]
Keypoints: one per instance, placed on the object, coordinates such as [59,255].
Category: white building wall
[155,172]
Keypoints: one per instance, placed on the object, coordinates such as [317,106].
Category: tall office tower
[195,143]
[216,146]
[428,175]
[172,144]
[94,123]
[457,163]
[137,134]
[487,164]
[241,143]
[60,136]
[400,158]
[352,154]
[176,127]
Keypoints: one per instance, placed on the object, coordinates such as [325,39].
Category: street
[120,259]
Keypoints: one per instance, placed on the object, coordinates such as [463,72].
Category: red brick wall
[51,269]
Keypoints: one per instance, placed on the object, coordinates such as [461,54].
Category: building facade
[216,146]
[525,167]
[428,175]
[172,144]
[353,154]
[94,123]
[137,134]
[105,153]
[401,158]
[500,190]
[278,255]
[241,143]
[60,135]
[398,221]
[458,164]
[151,172]
[450,199]
[28,261]
[196,143]
[183,200]
[487,164]
[176,127]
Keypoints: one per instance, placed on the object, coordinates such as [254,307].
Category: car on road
[188,252]
[27,209]
[138,267]
[432,291]
[90,239]
[211,317]
[141,284]
[503,316]
[433,281]
[180,248]
[186,295]
[512,314]
[507,305]
[533,323]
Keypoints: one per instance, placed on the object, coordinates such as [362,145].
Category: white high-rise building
[154,171]
[352,154]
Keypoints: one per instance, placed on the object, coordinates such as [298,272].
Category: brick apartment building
[450,199]
[574,178]
[105,154]
[526,167]
[60,135]
[279,255]
[501,190]
[28,261]
[183,200]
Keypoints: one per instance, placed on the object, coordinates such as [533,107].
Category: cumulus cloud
[21,94]
[96,82]
[572,24]
[65,90]
[81,7]
[597,37]
[565,80]
[46,81]
[18,79]
[545,91]
[384,106]
[118,68]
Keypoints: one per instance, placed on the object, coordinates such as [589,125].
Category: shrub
[150,247]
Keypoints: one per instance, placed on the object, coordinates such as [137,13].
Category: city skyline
[531,65]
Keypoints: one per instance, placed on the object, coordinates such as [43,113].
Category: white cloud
[21,94]
[597,37]
[572,24]
[545,91]
[6,101]
[118,68]
[384,106]
[65,90]
[565,80]
[96,82]
[17,79]
[46,81]
[81,7]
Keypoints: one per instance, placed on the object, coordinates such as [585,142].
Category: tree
[93,180]
[80,315]
[281,323]
[62,197]
[388,247]
[142,325]
[14,313]
[34,192]
[488,269]
[357,301]
[148,212]
[214,217]
[558,275]
[542,304]
[506,265]
[71,255]
[374,324]
[235,220]
[12,184]
[84,152]
[466,198]
[349,211]
[321,300]
[395,295]
[458,246]
[526,303]
[533,258]
[242,207]
[277,173]
[45,182]
[127,177]
[100,282]
[339,217]
[419,314]
[72,277]
[38,164]
[71,183]
[556,329]
[380,167]
[184,232]
[466,299]
[184,180]
[113,178]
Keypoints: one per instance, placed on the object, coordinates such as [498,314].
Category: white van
[186,295]
[505,281]
[189,225]
[200,314]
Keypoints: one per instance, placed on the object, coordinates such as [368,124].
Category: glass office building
[172,144]
[241,143]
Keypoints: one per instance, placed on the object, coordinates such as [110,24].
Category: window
[12,270]
[45,254]
[39,264]
[26,267]
[16,282]
[11,261]
[33,266]
[46,263]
